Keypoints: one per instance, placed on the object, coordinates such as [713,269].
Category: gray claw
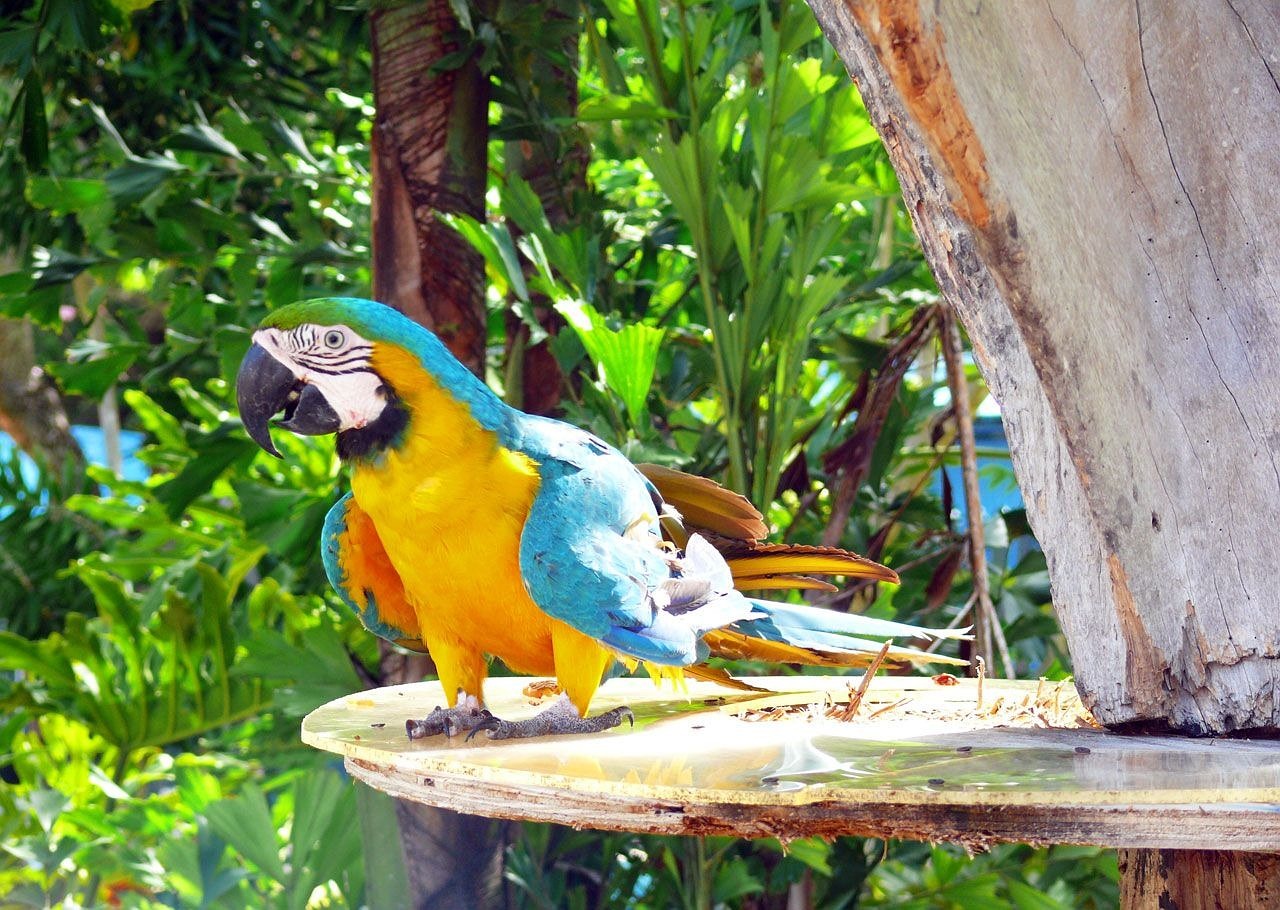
[560,718]
[466,715]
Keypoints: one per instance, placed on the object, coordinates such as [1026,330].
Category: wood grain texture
[1198,880]
[976,827]
[1094,187]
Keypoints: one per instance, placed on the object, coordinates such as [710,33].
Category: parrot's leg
[560,718]
[467,715]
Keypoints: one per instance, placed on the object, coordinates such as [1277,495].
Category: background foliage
[742,297]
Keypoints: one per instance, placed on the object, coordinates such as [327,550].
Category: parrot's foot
[466,715]
[560,717]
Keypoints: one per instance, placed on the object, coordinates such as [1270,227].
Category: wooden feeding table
[918,759]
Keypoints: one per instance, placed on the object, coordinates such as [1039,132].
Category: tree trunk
[551,154]
[30,410]
[430,154]
[1094,186]
[1159,879]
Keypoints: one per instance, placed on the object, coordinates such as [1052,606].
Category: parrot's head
[313,363]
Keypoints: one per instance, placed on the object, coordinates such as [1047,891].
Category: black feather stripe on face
[371,440]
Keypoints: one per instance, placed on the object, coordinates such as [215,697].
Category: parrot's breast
[450,504]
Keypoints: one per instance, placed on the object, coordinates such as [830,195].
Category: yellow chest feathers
[450,504]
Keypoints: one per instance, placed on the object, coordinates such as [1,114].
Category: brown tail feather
[706,504]
[739,646]
[781,583]
[749,559]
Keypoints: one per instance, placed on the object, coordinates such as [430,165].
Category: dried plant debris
[1050,704]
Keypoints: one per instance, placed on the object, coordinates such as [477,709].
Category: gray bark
[1094,186]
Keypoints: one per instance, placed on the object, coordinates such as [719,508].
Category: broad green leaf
[621,107]
[63,195]
[1026,897]
[213,455]
[137,177]
[34,141]
[96,367]
[626,358]
[244,822]
[51,667]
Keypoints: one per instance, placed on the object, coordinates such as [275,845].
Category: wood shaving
[1051,705]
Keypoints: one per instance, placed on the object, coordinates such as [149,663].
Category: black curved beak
[265,387]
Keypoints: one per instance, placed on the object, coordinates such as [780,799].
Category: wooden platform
[920,760]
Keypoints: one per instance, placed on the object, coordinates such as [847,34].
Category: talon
[419,729]
[488,724]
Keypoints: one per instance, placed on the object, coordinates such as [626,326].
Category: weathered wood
[934,768]
[1094,187]
[1198,880]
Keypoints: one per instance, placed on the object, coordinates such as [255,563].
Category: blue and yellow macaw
[475,530]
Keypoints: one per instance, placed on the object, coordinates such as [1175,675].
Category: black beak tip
[269,446]
[263,386]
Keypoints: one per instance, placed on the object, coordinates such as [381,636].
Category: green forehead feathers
[321,311]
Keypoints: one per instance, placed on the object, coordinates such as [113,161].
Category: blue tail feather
[831,631]
[801,619]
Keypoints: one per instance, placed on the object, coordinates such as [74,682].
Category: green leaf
[1026,897]
[214,454]
[244,822]
[63,195]
[493,242]
[452,61]
[201,137]
[625,358]
[813,852]
[325,844]
[621,107]
[47,806]
[734,880]
[136,178]
[34,141]
[156,420]
[291,138]
[52,669]
[386,883]
[95,367]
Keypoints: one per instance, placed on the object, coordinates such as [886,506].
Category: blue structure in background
[997,496]
[996,486]
[93,444]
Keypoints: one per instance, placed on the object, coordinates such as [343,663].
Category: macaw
[473,530]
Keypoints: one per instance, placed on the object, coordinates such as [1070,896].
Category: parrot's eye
[333,338]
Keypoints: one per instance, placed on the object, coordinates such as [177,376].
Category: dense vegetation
[741,294]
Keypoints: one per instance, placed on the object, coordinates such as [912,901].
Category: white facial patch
[335,360]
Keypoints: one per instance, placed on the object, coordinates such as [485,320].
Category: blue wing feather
[581,555]
[335,538]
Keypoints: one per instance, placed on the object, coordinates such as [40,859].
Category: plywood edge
[977,827]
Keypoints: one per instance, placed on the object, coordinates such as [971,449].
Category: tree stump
[1093,185]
